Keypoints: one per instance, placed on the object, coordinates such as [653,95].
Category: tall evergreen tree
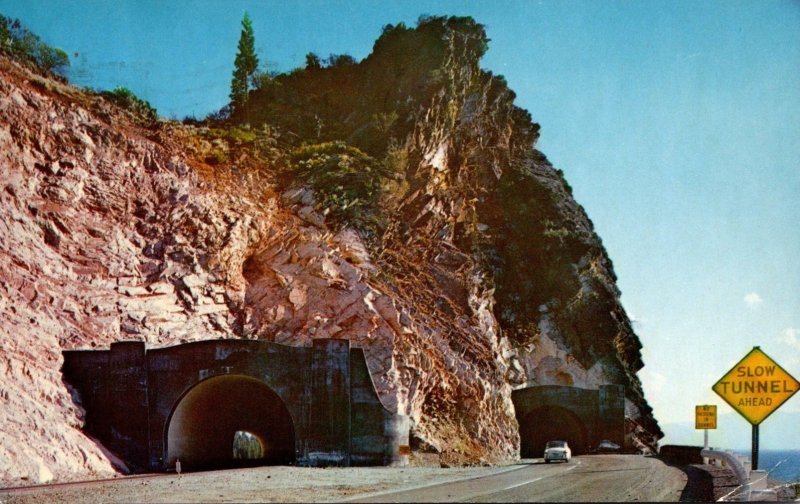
[245,65]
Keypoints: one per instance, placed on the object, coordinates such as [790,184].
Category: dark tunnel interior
[551,423]
[230,421]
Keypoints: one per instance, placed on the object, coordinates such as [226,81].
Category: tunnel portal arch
[313,405]
[582,417]
[550,423]
[206,419]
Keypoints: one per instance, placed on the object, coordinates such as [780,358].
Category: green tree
[245,66]
[20,43]
[313,62]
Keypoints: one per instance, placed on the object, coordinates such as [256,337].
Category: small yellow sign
[705,416]
[756,386]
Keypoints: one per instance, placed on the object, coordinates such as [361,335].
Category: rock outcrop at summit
[467,270]
[479,229]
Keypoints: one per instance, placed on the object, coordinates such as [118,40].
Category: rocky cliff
[398,202]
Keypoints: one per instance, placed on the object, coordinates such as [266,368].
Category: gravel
[261,484]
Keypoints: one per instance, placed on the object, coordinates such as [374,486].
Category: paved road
[590,478]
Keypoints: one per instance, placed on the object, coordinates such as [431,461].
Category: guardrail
[738,469]
[753,484]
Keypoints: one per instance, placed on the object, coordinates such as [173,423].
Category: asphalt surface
[596,478]
[591,478]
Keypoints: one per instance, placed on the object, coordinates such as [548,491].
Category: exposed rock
[483,248]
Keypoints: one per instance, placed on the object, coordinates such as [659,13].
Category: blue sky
[677,123]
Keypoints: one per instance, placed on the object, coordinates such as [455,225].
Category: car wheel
[546,461]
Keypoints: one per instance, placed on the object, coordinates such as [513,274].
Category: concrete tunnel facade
[311,406]
[582,417]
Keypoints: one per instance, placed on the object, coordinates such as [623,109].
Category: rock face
[481,274]
[108,235]
[95,248]
[482,246]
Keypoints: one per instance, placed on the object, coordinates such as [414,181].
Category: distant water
[783,465]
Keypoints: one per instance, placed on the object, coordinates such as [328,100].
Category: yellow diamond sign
[756,386]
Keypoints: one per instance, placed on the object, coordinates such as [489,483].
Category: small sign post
[705,417]
[755,387]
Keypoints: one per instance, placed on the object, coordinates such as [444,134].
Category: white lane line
[443,481]
[534,480]
[523,483]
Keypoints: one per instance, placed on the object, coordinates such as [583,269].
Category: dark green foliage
[244,66]
[369,103]
[348,183]
[262,80]
[340,60]
[217,157]
[18,42]
[472,32]
[543,255]
[537,248]
[313,62]
[390,29]
[220,115]
[125,98]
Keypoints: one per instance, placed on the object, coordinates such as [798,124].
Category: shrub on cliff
[221,145]
[313,62]
[19,43]
[340,61]
[125,98]
[348,182]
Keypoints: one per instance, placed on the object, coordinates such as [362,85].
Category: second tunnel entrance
[547,424]
[582,417]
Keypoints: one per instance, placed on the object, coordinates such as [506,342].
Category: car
[606,446]
[557,450]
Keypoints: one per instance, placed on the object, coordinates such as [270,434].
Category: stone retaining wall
[706,483]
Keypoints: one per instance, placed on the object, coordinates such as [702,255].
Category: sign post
[755,387]
[705,417]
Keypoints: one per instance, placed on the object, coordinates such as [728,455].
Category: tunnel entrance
[551,423]
[230,421]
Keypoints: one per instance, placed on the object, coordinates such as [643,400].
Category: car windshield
[556,444]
